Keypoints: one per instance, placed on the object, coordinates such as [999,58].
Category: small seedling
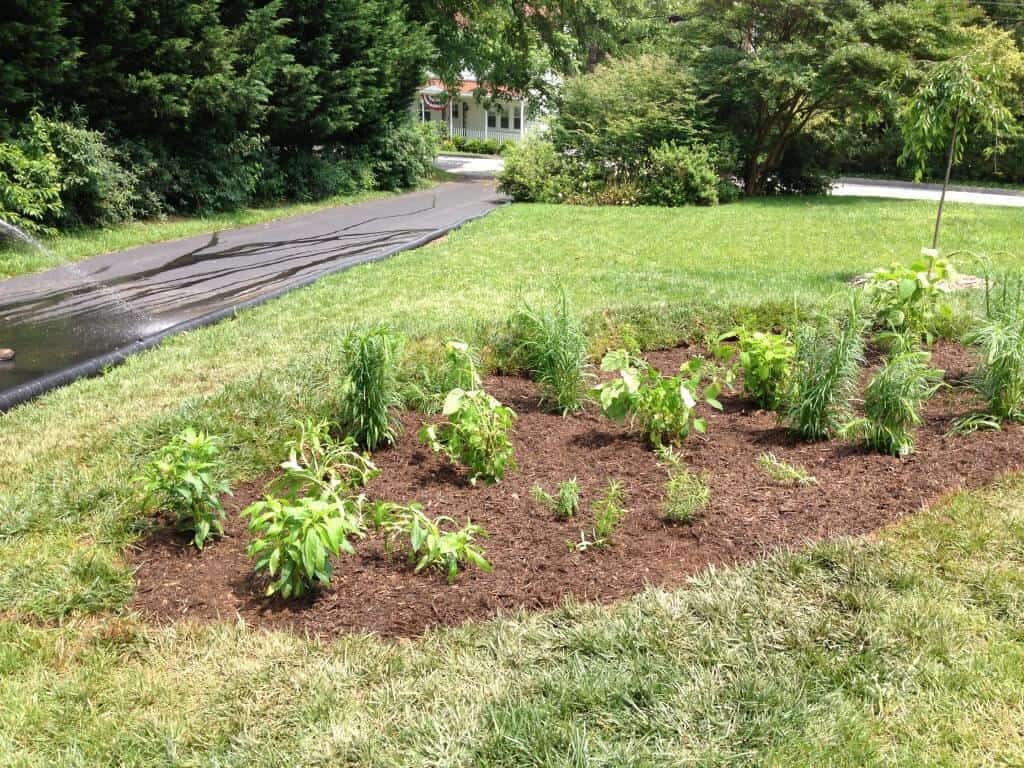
[184,480]
[783,472]
[609,511]
[686,493]
[565,504]
[430,546]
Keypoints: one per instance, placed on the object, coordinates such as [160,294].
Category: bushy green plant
[474,434]
[553,344]
[826,367]
[405,155]
[296,539]
[766,360]
[371,391]
[905,300]
[29,186]
[687,493]
[663,407]
[676,175]
[565,504]
[609,510]
[320,465]
[999,379]
[784,473]
[892,403]
[184,479]
[430,546]
[534,171]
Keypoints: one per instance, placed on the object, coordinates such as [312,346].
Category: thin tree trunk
[945,183]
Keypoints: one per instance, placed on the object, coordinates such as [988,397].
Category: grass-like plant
[767,362]
[474,434]
[609,510]
[430,546]
[999,379]
[184,479]
[319,464]
[825,372]
[565,504]
[687,493]
[370,392]
[784,473]
[297,538]
[553,343]
[892,403]
[664,407]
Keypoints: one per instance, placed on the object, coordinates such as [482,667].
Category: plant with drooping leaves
[431,546]
[662,407]
[474,434]
[184,478]
[319,464]
[904,300]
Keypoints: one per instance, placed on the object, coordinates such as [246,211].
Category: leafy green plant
[892,403]
[318,464]
[905,300]
[297,538]
[664,407]
[565,504]
[999,379]
[766,360]
[553,343]
[430,546]
[370,391]
[783,472]
[609,510]
[825,371]
[687,493]
[184,480]
[475,434]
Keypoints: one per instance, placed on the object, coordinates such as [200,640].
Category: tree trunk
[945,182]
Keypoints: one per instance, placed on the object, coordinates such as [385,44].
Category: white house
[506,119]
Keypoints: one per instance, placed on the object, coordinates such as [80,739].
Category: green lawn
[905,651]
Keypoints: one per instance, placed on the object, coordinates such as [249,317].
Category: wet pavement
[74,320]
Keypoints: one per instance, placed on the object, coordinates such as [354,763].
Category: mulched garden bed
[857,492]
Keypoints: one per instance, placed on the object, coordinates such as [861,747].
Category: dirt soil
[856,492]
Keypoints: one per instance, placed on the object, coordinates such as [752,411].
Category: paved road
[71,321]
[476,167]
[906,190]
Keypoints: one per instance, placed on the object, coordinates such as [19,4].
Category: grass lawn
[901,651]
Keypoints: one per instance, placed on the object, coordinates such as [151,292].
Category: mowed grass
[903,652]
[906,651]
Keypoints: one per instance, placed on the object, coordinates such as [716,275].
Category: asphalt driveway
[74,320]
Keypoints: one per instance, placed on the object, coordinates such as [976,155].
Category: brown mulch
[857,492]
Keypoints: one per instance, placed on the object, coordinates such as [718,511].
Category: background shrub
[676,175]
[533,172]
[404,157]
[29,186]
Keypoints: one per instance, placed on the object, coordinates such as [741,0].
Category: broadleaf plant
[474,434]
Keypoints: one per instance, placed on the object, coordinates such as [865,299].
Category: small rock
[6,354]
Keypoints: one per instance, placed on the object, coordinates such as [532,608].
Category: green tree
[974,89]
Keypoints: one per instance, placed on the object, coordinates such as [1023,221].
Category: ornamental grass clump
[184,479]
[826,367]
[893,401]
[553,344]
[687,493]
[370,391]
[565,504]
[999,379]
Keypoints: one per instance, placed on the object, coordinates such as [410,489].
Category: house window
[504,120]
[492,120]
[517,123]
[455,109]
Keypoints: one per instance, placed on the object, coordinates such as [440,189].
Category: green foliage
[687,493]
[676,175]
[296,539]
[565,504]
[430,546]
[30,183]
[404,156]
[766,360]
[825,370]
[609,510]
[184,479]
[553,343]
[999,379]
[892,403]
[905,300]
[474,434]
[784,473]
[370,390]
[535,172]
[320,465]
[663,407]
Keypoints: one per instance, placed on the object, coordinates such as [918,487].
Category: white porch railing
[498,134]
